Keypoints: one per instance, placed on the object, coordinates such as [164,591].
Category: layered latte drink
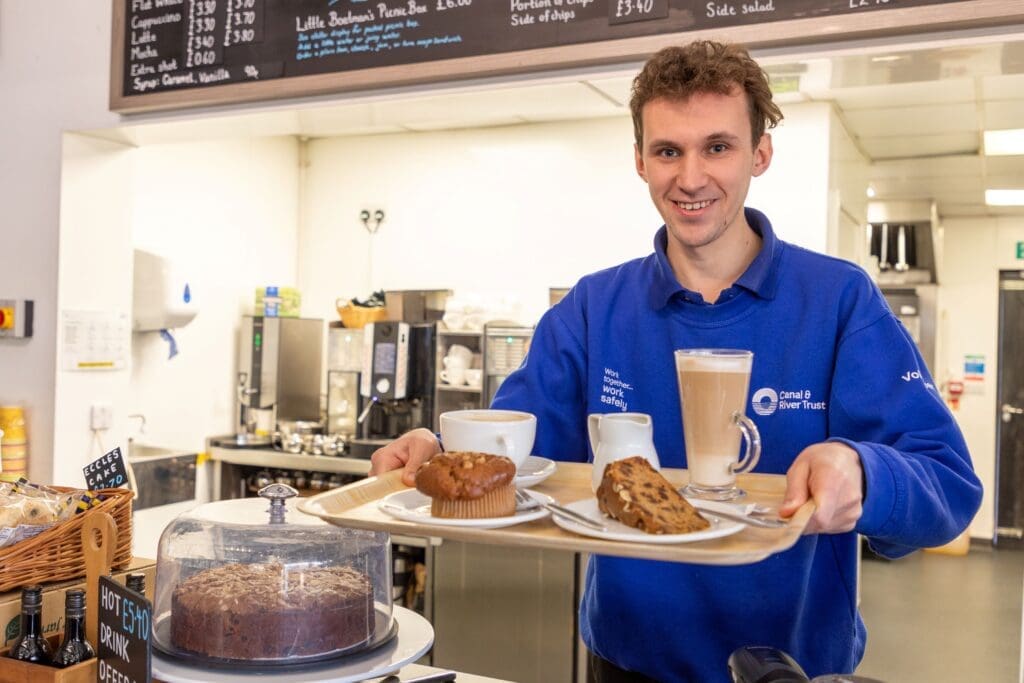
[713,386]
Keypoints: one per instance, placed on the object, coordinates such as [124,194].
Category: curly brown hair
[704,66]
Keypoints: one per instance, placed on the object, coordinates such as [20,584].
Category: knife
[764,522]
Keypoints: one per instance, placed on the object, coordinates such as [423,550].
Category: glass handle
[752,438]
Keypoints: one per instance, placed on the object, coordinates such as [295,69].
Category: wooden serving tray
[355,506]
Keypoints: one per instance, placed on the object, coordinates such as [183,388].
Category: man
[862,431]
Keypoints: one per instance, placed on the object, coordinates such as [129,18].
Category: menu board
[175,45]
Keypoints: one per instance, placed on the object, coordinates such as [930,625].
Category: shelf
[458,333]
[462,390]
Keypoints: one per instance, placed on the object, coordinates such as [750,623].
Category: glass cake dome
[241,582]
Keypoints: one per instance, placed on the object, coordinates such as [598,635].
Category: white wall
[95,276]
[515,210]
[969,324]
[794,190]
[225,214]
[54,69]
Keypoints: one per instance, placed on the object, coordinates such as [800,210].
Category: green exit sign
[1020,250]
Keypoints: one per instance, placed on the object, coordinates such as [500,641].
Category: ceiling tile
[615,88]
[920,145]
[1005,87]
[922,120]
[967,164]
[1005,165]
[1003,114]
[905,94]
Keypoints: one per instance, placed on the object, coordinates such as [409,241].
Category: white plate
[534,470]
[412,506]
[415,636]
[617,531]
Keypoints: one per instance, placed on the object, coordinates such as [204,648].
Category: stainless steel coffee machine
[278,372]
[397,382]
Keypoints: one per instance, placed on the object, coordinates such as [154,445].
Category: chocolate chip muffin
[638,495]
[467,485]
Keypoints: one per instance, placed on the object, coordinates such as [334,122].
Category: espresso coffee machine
[279,371]
[396,384]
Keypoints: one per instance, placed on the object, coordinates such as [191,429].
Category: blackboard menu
[171,45]
[108,472]
[125,622]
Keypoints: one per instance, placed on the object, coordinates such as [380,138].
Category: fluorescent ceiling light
[1004,142]
[1004,197]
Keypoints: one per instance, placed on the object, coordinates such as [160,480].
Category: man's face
[698,159]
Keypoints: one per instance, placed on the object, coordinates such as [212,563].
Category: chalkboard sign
[123,651]
[109,472]
[165,47]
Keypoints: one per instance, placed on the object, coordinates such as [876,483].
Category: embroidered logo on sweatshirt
[767,400]
[614,390]
[910,375]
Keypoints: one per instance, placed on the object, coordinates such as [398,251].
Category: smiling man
[861,430]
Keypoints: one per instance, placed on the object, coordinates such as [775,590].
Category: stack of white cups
[457,365]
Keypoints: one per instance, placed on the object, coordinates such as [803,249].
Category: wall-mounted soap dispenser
[163,296]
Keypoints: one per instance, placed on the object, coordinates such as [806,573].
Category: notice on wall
[123,652]
[974,373]
[95,340]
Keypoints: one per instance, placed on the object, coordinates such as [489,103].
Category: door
[1010,411]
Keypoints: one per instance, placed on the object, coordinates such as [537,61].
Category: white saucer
[534,470]
[414,638]
[617,531]
[412,506]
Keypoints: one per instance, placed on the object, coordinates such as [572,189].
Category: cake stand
[413,640]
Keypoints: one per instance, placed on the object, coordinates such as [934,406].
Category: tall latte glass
[713,385]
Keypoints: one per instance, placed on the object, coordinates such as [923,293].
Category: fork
[525,501]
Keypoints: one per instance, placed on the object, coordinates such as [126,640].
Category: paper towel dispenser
[162,296]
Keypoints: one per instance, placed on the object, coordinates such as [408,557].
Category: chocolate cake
[463,484]
[637,495]
[270,611]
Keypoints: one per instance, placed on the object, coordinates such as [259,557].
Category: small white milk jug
[614,436]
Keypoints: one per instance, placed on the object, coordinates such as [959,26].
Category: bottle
[75,648]
[30,645]
[136,581]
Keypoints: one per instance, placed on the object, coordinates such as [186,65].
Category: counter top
[269,457]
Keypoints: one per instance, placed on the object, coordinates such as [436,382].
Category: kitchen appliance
[279,369]
[906,239]
[505,348]
[397,382]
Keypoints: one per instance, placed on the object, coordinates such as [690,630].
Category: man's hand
[410,450]
[830,474]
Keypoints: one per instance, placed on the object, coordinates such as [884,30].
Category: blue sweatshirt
[831,362]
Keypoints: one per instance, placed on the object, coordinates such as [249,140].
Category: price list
[201,45]
[183,44]
[244,23]
[628,11]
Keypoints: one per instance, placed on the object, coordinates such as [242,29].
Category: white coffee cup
[498,432]
[474,377]
[454,375]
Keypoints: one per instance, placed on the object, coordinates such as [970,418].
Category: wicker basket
[56,554]
[358,316]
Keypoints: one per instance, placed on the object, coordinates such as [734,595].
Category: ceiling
[916,114]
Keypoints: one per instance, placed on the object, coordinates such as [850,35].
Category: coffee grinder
[397,381]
